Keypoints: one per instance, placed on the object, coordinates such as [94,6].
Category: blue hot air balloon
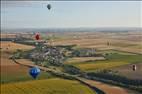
[34,72]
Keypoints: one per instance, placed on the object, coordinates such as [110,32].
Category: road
[95,85]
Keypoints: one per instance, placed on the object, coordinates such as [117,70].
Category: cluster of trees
[17,38]
[113,78]
[117,78]
[29,42]
[18,54]
[26,42]
[71,69]
[7,39]
[85,52]
[67,47]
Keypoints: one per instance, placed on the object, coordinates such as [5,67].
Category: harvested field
[113,60]
[10,71]
[7,48]
[110,89]
[123,41]
[82,59]
[11,47]
[127,69]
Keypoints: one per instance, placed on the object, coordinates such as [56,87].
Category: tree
[71,69]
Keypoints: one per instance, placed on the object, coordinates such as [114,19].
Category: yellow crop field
[100,66]
[50,86]
[82,59]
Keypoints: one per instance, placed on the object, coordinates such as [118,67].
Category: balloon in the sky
[49,6]
[134,67]
[36,43]
[37,36]
[34,72]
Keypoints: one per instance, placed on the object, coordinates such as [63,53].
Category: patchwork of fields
[9,70]
[16,80]
[127,69]
[12,72]
[120,54]
[116,63]
[123,41]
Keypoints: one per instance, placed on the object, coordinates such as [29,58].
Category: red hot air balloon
[37,36]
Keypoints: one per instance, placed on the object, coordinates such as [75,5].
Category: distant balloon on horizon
[48,6]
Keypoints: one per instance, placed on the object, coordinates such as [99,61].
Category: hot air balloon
[49,6]
[37,36]
[134,67]
[36,43]
[34,72]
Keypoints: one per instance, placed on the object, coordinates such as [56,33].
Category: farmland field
[12,72]
[53,47]
[126,69]
[117,56]
[9,70]
[50,86]
[11,47]
[123,41]
[82,59]
[13,76]
[114,60]
[110,89]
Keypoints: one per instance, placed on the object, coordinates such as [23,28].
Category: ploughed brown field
[9,69]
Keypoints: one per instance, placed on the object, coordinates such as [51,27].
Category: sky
[70,14]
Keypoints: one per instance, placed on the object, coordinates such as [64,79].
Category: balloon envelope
[37,36]
[49,6]
[134,67]
[34,72]
[36,43]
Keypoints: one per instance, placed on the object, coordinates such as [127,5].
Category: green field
[115,51]
[12,77]
[50,86]
[112,60]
